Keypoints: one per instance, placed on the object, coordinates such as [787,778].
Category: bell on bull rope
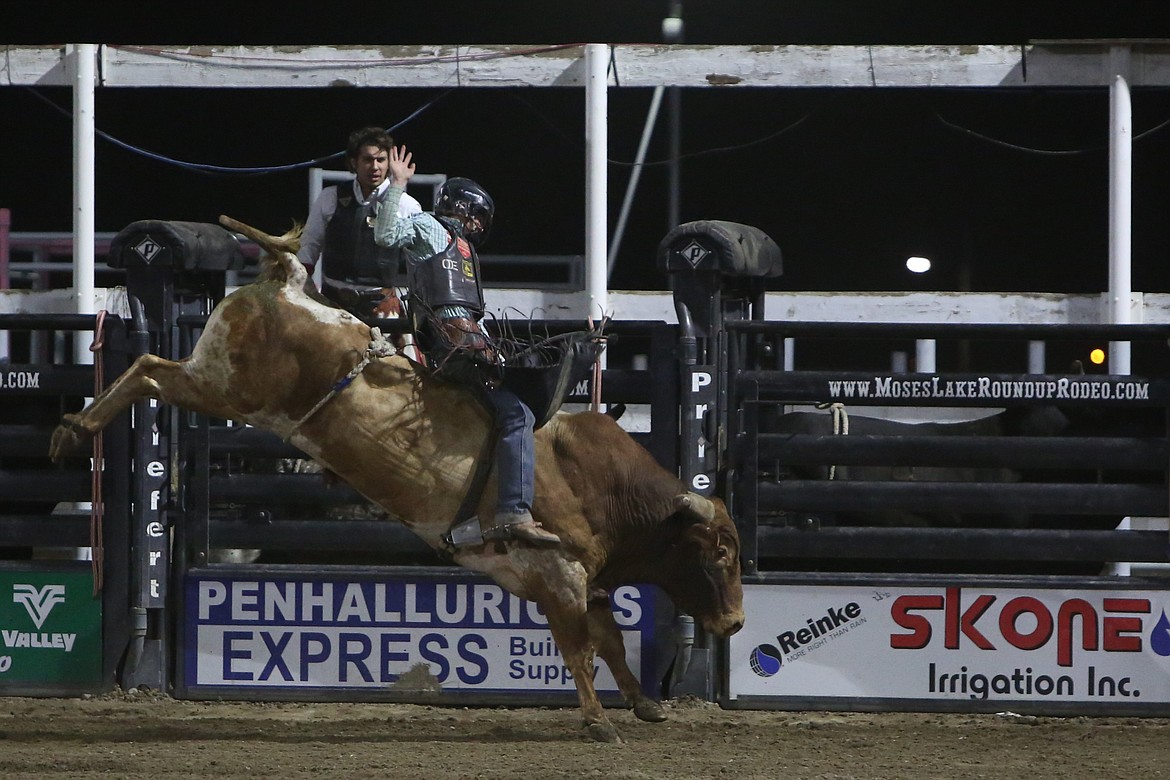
[466,534]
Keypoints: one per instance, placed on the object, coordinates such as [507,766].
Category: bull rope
[96,506]
[840,424]
[379,347]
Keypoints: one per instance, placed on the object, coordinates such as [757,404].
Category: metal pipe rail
[1058,505]
[952,330]
[944,389]
[376,536]
[790,546]
[1083,452]
[966,497]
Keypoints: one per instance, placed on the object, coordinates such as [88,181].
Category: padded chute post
[718,272]
[172,269]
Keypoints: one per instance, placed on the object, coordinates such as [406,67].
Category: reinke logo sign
[766,659]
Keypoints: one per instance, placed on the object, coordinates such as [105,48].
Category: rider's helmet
[466,201]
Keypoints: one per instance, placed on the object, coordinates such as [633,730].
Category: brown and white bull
[270,353]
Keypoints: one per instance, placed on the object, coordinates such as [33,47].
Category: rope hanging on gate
[595,393]
[96,507]
[840,424]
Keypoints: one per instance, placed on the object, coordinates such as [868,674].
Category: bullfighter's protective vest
[349,252]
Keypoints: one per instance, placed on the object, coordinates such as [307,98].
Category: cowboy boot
[520,525]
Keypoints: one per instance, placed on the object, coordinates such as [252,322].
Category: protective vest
[449,278]
[349,252]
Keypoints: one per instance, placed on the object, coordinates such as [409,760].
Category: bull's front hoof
[603,732]
[68,439]
[649,711]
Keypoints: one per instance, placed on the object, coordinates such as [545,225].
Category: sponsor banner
[698,456]
[986,388]
[151,491]
[954,643]
[50,628]
[282,632]
[20,380]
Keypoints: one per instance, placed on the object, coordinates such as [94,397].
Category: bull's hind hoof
[649,711]
[603,732]
[68,439]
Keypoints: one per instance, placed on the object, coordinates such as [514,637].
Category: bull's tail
[280,261]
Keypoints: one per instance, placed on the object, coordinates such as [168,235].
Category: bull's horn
[258,236]
[694,504]
[289,242]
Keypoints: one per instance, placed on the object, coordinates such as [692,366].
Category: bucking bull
[271,352]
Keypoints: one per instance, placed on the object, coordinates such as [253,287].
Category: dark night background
[867,177]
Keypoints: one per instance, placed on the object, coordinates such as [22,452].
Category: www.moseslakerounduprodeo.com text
[1064,388]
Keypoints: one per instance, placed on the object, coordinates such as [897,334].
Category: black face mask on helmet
[463,199]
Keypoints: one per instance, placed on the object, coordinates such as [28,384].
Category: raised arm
[389,228]
[401,167]
[420,232]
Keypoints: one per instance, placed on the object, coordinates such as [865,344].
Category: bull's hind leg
[149,377]
[607,639]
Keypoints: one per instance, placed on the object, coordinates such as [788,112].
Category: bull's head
[703,564]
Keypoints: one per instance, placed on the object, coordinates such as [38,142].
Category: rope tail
[840,424]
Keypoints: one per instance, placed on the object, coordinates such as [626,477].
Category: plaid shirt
[420,234]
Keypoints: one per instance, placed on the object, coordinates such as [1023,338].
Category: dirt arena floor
[151,736]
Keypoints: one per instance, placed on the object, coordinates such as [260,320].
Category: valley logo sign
[50,629]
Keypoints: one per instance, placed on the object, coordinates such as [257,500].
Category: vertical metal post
[84,58]
[674,188]
[146,660]
[116,532]
[1120,197]
[664,416]
[1120,227]
[640,158]
[316,184]
[924,356]
[1036,357]
[596,168]
[5,229]
[672,32]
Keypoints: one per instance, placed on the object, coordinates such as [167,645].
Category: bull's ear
[695,507]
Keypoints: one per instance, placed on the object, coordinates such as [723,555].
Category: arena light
[1097,356]
[916,264]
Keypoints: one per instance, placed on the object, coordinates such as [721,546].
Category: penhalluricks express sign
[953,644]
[463,635]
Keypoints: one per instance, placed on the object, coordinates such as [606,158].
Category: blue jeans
[515,452]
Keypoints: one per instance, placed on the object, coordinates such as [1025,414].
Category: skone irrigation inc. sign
[949,646]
